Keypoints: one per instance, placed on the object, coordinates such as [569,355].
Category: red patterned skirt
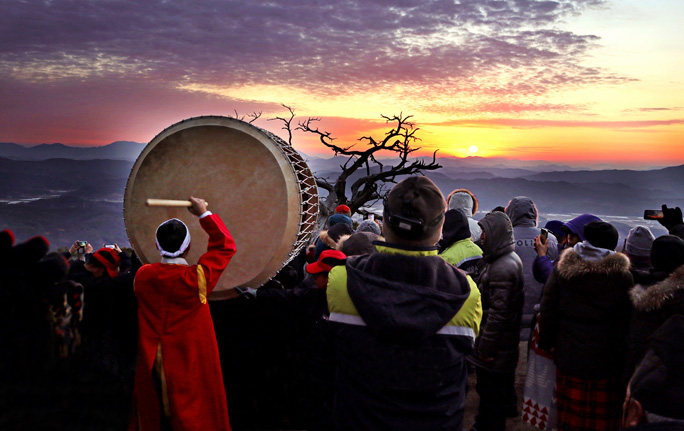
[587,404]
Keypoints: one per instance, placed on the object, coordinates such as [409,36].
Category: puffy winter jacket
[501,284]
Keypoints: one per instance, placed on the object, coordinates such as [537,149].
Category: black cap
[601,234]
[414,208]
[667,253]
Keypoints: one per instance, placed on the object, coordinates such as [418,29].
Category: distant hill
[66,199]
[119,150]
[666,180]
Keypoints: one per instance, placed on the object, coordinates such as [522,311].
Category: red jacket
[176,333]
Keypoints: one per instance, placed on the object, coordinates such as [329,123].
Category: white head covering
[183,247]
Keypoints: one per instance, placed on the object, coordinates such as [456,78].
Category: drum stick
[169,203]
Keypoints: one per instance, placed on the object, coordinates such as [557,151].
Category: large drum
[259,185]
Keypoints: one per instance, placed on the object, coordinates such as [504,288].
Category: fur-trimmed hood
[572,265]
[654,297]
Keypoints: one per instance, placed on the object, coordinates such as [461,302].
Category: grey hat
[639,241]
[368,226]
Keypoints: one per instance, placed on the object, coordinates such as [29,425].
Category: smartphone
[544,235]
[653,214]
[82,243]
[109,245]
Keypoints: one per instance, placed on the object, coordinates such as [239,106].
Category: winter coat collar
[654,297]
[571,264]
[588,252]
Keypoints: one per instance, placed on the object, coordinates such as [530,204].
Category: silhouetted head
[173,238]
[414,212]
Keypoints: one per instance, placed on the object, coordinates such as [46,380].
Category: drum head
[243,175]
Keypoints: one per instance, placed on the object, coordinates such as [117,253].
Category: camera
[653,214]
[82,243]
[544,235]
[109,245]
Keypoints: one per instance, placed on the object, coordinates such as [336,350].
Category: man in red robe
[178,381]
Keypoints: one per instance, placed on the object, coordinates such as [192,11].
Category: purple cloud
[490,47]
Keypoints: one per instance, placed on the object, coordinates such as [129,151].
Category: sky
[573,81]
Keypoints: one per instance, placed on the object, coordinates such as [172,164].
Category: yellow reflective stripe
[465,322]
[392,250]
[338,296]
[470,314]
[346,318]
[202,284]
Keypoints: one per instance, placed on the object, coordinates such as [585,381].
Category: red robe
[176,335]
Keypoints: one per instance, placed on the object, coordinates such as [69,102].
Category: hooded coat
[585,313]
[404,320]
[653,305]
[501,284]
[523,214]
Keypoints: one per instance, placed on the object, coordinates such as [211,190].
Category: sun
[473,149]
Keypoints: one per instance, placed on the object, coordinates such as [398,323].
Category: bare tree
[375,175]
[252,117]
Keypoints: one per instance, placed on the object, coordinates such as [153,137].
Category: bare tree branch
[287,123]
[371,175]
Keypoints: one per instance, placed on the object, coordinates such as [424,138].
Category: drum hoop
[307,188]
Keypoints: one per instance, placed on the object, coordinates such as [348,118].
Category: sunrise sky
[573,81]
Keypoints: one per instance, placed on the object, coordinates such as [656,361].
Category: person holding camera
[79,250]
[672,220]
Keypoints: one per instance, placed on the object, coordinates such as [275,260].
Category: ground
[512,424]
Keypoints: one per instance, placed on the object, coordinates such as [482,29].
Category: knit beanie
[639,241]
[368,226]
[342,209]
[601,234]
[339,218]
[109,258]
[667,253]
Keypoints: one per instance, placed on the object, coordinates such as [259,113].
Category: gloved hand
[247,292]
[671,217]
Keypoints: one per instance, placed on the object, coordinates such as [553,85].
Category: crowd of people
[374,327]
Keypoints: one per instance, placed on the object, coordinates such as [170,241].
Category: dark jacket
[653,305]
[404,321]
[523,214]
[501,283]
[677,230]
[585,314]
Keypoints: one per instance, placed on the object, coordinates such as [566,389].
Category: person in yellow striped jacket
[404,322]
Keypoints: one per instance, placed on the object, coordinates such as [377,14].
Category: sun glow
[473,149]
